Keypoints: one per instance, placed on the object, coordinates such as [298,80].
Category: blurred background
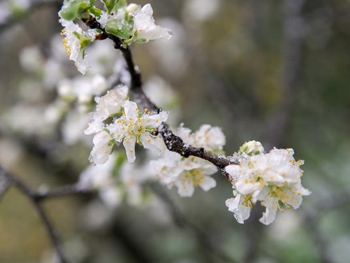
[273,71]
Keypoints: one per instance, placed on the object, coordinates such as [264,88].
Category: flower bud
[251,148]
[131,8]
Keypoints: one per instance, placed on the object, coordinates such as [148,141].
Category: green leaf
[117,29]
[95,11]
[119,4]
[84,41]
[109,5]
[121,158]
[69,12]
[74,9]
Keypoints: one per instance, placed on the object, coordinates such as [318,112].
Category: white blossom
[73,44]
[185,173]
[240,206]
[103,144]
[188,173]
[272,178]
[135,126]
[195,173]
[209,137]
[107,105]
[144,27]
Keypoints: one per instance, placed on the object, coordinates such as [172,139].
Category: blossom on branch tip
[272,178]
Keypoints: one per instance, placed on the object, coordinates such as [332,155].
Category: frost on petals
[274,179]
[144,27]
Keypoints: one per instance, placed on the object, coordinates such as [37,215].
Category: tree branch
[74,189]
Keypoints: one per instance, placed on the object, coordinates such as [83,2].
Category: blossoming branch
[125,115]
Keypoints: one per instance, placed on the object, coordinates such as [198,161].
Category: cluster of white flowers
[188,173]
[129,125]
[130,23]
[272,178]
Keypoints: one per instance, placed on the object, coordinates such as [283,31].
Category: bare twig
[74,189]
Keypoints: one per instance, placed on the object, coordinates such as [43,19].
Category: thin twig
[176,144]
[75,189]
